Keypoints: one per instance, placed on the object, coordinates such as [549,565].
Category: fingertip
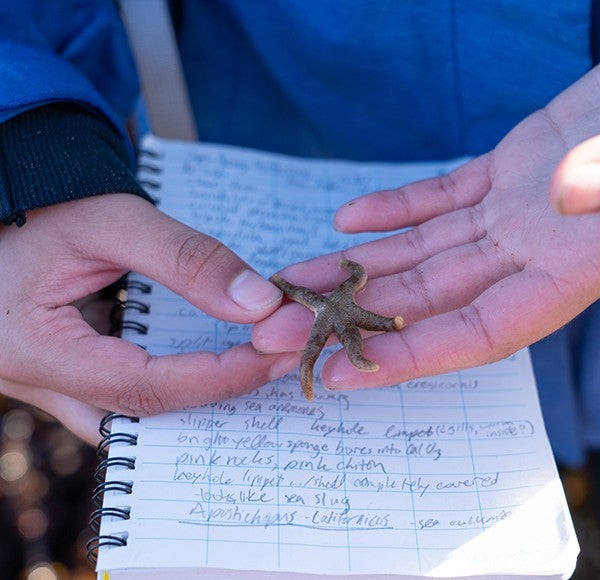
[339,374]
[343,217]
[284,364]
[253,293]
[284,331]
[575,184]
[575,190]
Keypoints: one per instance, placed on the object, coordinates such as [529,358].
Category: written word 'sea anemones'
[339,314]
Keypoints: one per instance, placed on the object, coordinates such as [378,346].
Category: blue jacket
[383,80]
[67,86]
[377,80]
[65,51]
[356,79]
[361,79]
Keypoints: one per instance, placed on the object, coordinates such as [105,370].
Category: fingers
[136,236]
[109,373]
[501,321]
[575,186]
[108,377]
[196,266]
[395,253]
[112,374]
[442,226]
[55,348]
[157,384]
[442,283]
[417,202]
[46,342]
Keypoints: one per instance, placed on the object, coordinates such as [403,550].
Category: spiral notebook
[443,477]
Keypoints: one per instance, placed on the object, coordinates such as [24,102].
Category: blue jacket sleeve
[68,86]
[65,50]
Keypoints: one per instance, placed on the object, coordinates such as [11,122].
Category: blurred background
[46,483]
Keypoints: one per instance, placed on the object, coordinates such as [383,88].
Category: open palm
[489,267]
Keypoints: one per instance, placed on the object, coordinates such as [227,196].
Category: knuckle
[197,256]
[417,242]
[141,399]
[400,199]
[472,318]
[416,283]
[448,185]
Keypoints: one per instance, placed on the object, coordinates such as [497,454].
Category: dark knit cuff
[57,153]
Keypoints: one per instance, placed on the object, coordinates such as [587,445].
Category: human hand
[50,357]
[575,185]
[488,268]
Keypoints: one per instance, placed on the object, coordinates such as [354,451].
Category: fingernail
[285,363]
[253,292]
[339,375]
[579,192]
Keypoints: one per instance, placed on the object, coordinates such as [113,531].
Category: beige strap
[158,62]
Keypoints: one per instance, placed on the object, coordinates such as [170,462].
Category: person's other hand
[488,268]
[50,357]
[575,185]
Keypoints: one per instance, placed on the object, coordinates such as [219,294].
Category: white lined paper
[443,476]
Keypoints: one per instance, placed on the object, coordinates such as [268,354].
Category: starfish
[336,313]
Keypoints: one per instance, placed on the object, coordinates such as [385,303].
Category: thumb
[192,264]
[575,185]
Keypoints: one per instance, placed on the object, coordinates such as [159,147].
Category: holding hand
[488,268]
[53,359]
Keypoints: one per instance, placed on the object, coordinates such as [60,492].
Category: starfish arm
[300,294]
[349,335]
[356,281]
[319,334]
[337,313]
[358,276]
[370,320]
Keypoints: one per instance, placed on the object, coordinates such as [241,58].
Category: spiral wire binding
[117,512]
[120,486]
[149,167]
[108,440]
[123,303]
[126,462]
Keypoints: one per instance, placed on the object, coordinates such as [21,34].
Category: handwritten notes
[442,476]
[270,209]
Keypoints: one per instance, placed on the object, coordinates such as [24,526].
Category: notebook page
[443,476]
